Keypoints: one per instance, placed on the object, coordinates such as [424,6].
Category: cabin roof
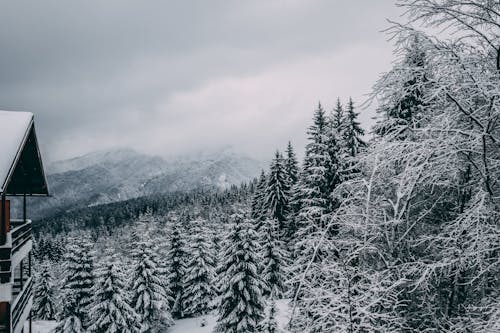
[21,168]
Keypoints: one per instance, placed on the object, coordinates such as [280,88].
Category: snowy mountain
[121,174]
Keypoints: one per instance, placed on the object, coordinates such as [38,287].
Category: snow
[13,128]
[41,326]
[191,325]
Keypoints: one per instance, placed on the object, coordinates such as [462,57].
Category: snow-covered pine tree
[69,324]
[110,310]
[78,283]
[405,91]
[277,191]
[176,265]
[273,259]
[314,188]
[338,117]
[270,324]
[409,230]
[320,176]
[241,305]
[199,290]
[291,165]
[313,192]
[258,212]
[352,131]
[44,307]
[148,285]
[335,164]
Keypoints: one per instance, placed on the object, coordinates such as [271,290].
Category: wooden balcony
[23,296]
[13,250]
[21,234]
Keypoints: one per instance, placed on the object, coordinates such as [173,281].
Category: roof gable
[21,169]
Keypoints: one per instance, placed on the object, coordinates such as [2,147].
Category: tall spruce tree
[338,117]
[44,307]
[241,306]
[199,279]
[273,259]
[277,191]
[315,169]
[405,92]
[110,310]
[353,132]
[291,165]
[148,285]
[258,200]
[270,323]
[320,176]
[176,263]
[313,188]
[78,282]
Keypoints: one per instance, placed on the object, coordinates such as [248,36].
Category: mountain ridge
[115,175]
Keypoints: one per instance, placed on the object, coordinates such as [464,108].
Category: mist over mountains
[115,175]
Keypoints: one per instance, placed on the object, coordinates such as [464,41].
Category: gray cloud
[173,76]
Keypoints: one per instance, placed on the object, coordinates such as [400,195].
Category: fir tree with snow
[270,324]
[78,282]
[258,212]
[110,310]
[314,181]
[176,264]
[352,132]
[70,324]
[44,307]
[241,306]
[291,165]
[199,279]
[404,91]
[313,191]
[338,117]
[148,286]
[277,191]
[273,258]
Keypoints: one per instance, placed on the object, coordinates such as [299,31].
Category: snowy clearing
[191,325]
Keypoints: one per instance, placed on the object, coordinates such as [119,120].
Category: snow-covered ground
[41,326]
[191,325]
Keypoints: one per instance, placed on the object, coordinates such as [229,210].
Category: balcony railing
[20,234]
[20,302]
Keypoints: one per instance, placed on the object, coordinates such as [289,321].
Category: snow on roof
[14,129]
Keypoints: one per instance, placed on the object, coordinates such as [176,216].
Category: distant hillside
[116,175]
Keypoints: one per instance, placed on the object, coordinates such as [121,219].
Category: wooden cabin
[21,175]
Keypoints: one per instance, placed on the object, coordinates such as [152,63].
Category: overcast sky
[168,77]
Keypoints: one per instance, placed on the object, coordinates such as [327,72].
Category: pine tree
[176,263]
[199,279]
[273,261]
[352,131]
[320,176]
[313,187]
[315,168]
[241,305]
[277,191]
[291,165]
[148,286]
[77,291]
[110,310]
[405,97]
[258,200]
[44,302]
[338,117]
[70,324]
[269,324]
